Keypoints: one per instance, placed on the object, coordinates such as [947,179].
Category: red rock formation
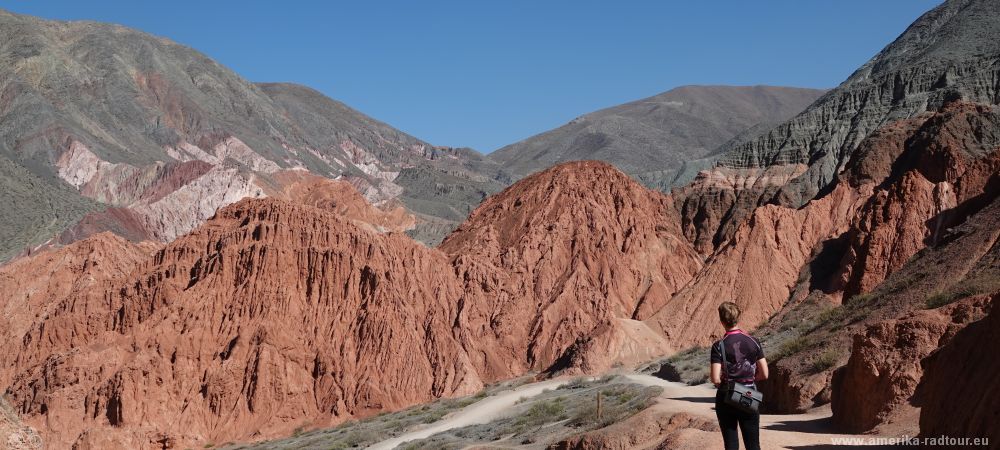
[909,181]
[885,365]
[963,265]
[122,222]
[570,260]
[928,168]
[718,200]
[890,229]
[959,395]
[34,285]
[159,212]
[269,317]
[791,388]
[273,316]
[757,268]
[890,203]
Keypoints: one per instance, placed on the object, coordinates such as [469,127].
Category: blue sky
[486,74]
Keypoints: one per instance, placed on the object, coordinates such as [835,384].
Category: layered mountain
[913,263]
[838,227]
[653,138]
[97,116]
[881,241]
[949,53]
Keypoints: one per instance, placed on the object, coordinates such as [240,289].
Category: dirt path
[811,430]
[482,411]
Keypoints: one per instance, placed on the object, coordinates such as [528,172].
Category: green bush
[830,316]
[939,299]
[793,346]
[860,299]
[978,284]
[826,360]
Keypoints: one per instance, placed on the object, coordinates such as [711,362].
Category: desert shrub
[699,380]
[433,416]
[861,299]
[939,299]
[793,346]
[788,325]
[831,316]
[619,403]
[983,283]
[825,360]
[576,383]
[543,411]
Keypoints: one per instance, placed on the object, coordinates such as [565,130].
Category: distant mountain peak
[654,137]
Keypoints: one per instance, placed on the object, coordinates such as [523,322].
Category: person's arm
[715,374]
[715,365]
[761,374]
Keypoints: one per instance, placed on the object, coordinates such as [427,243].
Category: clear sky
[484,74]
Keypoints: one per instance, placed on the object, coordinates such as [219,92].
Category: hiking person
[745,364]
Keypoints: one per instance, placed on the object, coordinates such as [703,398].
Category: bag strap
[725,364]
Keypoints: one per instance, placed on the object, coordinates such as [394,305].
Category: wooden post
[599,405]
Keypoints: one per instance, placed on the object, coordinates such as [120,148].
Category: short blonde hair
[729,314]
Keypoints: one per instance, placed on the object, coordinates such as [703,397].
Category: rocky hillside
[331,318]
[858,284]
[99,116]
[328,320]
[922,239]
[571,260]
[653,138]
[949,53]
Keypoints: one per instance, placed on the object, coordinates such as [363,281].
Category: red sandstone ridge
[32,286]
[884,368]
[570,260]
[757,268]
[932,171]
[908,183]
[273,316]
[959,395]
[269,317]
[925,237]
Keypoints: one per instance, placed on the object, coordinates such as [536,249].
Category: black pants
[729,418]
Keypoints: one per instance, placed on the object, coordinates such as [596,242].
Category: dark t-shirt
[742,354]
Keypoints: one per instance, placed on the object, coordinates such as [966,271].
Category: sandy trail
[810,430]
[480,412]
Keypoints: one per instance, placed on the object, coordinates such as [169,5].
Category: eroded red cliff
[571,260]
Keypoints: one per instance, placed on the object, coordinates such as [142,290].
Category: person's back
[744,363]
